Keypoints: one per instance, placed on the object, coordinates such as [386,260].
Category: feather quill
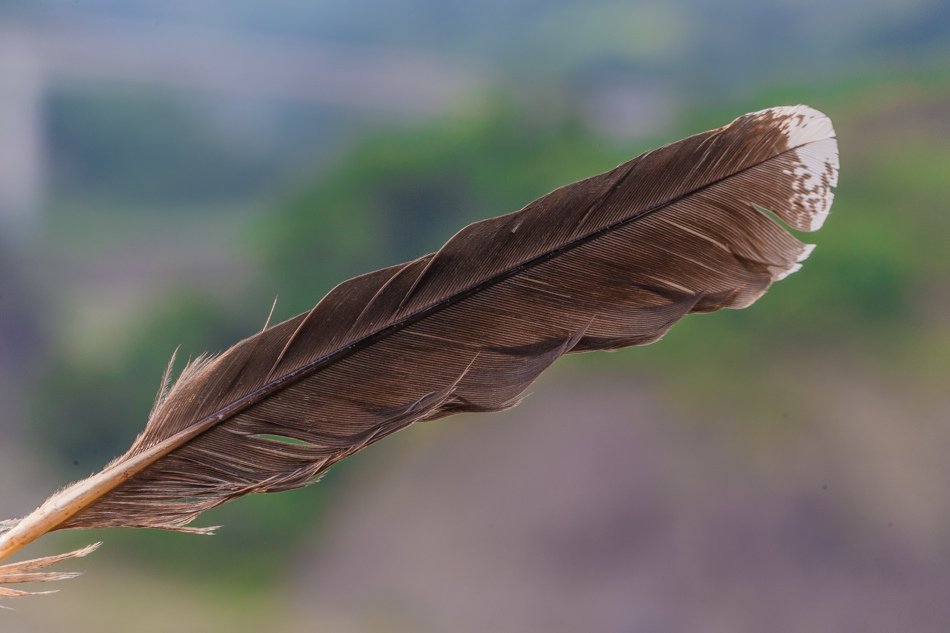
[603,263]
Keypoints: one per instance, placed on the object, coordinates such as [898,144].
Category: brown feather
[607,262]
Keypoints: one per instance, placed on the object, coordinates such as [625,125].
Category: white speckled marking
[812,156]
[802,124]
[806,251]
[810,138]
[782,274]
[815,173]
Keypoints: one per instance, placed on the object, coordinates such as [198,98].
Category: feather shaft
[65,504]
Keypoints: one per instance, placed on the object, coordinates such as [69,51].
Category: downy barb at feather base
[603,263]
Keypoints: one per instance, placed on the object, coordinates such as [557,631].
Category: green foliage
[404,193]
[102,398]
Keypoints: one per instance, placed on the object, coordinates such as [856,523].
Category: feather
[603,263]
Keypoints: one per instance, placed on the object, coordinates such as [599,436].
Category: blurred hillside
[695,44]
[778,467]
[175,104]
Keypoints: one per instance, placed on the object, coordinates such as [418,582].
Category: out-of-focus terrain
[167,169]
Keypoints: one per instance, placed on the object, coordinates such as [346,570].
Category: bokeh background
[168,168]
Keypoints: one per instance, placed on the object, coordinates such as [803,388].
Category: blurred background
[168,168]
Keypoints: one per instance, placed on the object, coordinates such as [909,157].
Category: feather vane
[607,262]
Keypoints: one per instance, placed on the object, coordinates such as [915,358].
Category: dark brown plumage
[607,262]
